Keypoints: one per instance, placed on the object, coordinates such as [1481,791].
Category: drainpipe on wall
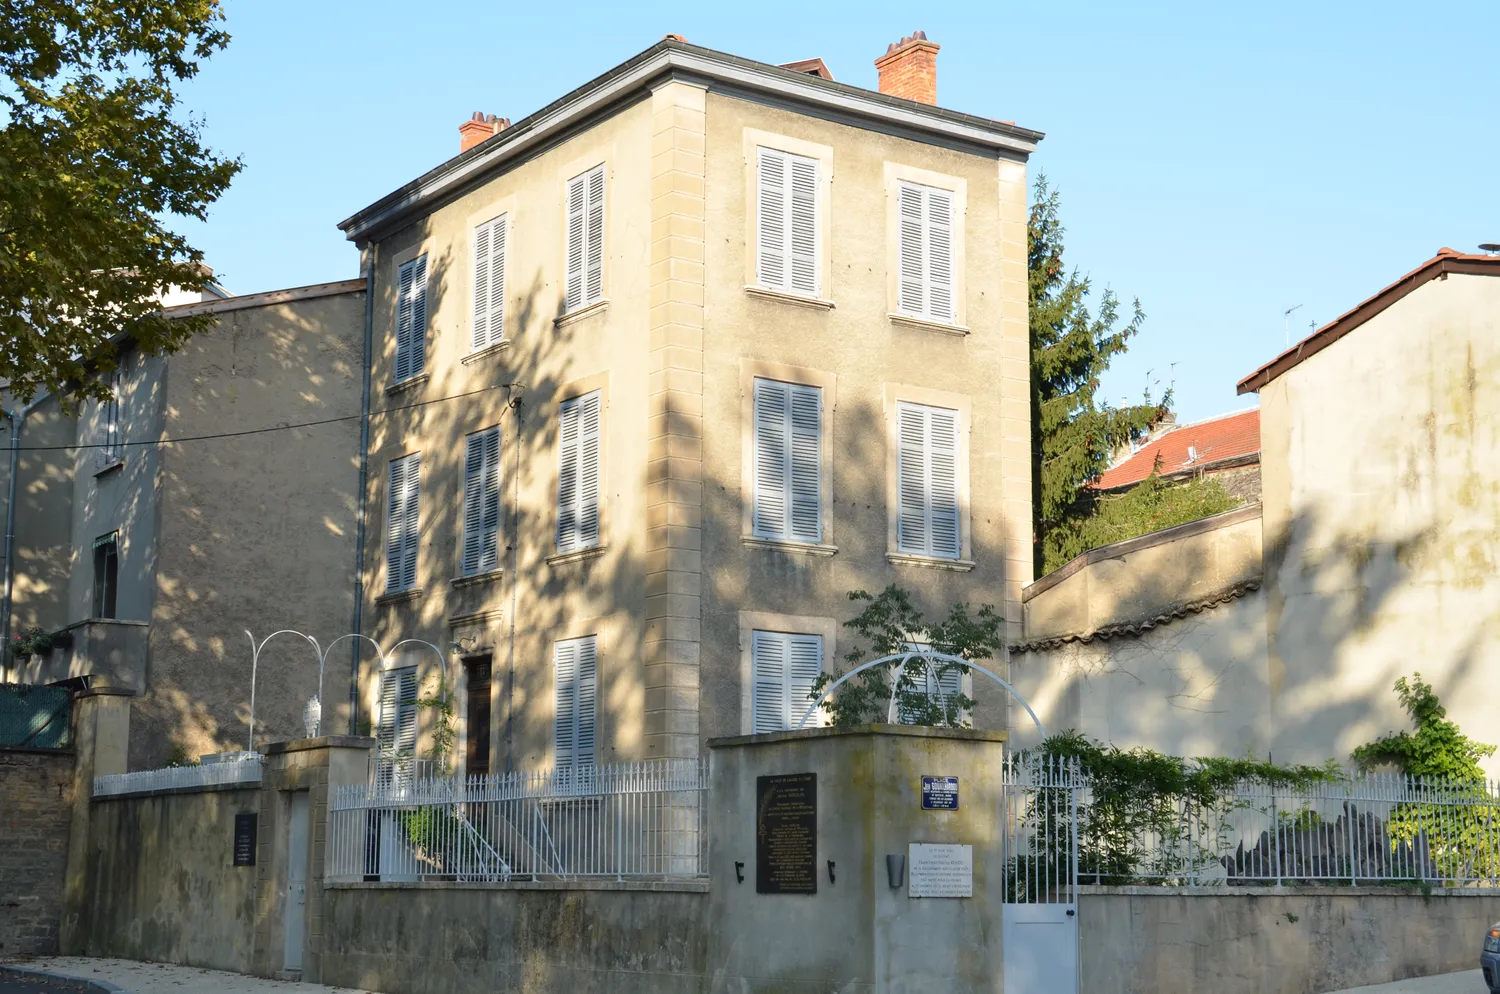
[16,424]
[514,392]
[364,471]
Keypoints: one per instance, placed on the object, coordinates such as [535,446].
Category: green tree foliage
[1150,506]
[1436,749]
[93,156]
[890,622]
[1073,429]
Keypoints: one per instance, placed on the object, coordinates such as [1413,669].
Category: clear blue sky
[1219,161]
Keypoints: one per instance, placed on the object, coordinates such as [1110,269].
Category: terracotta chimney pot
[909,68]
[479,128]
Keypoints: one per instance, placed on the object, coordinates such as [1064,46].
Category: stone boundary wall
[160,883]
[582,937]
[36,807]
[1275,940]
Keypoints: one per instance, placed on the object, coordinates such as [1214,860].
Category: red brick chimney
[479,128]
[909,68]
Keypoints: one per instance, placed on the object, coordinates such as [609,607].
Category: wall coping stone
[37,751]
[909,731]
[638,886]
[321,742]
[206,788]
[1291,890]
[107,691]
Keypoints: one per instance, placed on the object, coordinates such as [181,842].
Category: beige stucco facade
[673,349]
[1381,532]
[214,535]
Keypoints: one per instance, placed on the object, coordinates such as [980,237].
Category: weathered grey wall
[159,882]
[527,938]
[36,798]
[1292,940]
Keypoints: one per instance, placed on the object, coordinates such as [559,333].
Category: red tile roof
[1225,437]
[1446,261]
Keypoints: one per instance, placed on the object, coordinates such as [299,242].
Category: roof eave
[666,58]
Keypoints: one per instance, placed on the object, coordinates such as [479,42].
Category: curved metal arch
[442,659]
[904,657]
[323,652]
[255,667]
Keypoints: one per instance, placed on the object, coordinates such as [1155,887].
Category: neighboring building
[665,370]
[1225,448]
[152,556]
[1381,521]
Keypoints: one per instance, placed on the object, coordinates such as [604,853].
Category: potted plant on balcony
[31,642]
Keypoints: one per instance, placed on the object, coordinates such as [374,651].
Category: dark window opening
[477,753]
[106,575]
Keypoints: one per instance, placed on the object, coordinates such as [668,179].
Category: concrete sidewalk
[131,977]
[1464,982]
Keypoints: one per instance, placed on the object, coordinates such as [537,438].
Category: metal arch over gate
[1039,821]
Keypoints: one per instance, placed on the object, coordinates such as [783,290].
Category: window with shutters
[411,319]
[788,502]
[948,683]
[575,667]
[111,449]
[927,481]
[488,322]
[397,731]
[925,252]
[481,527]
[784,668]
[787,229]
[403,516]
[578,475]
[585,240]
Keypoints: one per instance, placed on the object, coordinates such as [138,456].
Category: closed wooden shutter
[926,265]
[950,682]
[578,478]
[784,668]
[398,711]
[787,222]
[481,502]
[489,284]
[585,250]
[411,319]
[403,517]
[575,665]
[927,481]
[788,461]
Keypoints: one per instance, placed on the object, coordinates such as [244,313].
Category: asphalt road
[15,983]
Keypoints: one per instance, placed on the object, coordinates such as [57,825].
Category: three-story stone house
[664,371]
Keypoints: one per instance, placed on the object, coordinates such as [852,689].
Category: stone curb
[102,986]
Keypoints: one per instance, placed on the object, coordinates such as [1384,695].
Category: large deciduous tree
[1073,431]
[95,159]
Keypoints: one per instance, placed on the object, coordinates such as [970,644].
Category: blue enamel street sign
[940,793]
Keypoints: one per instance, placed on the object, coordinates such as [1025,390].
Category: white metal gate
[1040,916]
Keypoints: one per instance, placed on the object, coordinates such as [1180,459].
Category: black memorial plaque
[244,839]
[786,834]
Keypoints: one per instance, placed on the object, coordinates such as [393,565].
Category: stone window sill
[816,303]
[489,350]
[781,545]
[400,596]
[577,555]
[475,579]
[925,324]
[929,562]
[597,307]
[109,467]
[410,383]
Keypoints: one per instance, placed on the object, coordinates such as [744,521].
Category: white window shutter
[489,553]
[576,679]
[578,478]
[911,479]
[473,502]
[771,214]
[593,280]
[588,694]
[805,655]
[388,692]
[804,226]
[395,524]
[940,255]
[411,511]
[489,284]
[771,436]
[912,275]
[411,319]
[577,209]
[806,457]
[943,482]
[398,711]
[769,665]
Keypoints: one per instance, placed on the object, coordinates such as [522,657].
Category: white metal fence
[246,770]
[629,820]
[1370,829]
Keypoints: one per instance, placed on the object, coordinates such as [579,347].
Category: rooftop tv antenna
[1286,324]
